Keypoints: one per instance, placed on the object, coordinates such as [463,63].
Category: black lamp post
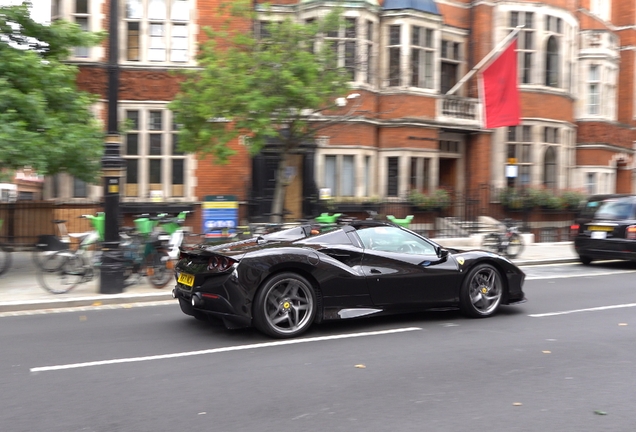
[112,269]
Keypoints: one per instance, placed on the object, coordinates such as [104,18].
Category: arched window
[550,168]
[552,63]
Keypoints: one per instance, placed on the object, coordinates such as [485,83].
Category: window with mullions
[422,52]
[525,45]
[420,170]
[552,63]
[393,172]
[368,50]
[157,30]
[394,55]
[345,46]
[550,168]
[519,152]
[339,175]
[81,18]
[450,59]
[153,159]
[594,90]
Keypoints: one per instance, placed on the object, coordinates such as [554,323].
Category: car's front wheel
[481,291]
[285,306]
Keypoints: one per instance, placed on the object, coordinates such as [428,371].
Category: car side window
[393,239]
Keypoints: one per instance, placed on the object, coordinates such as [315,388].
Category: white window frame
[594,90]
[169,191]
[426,49]
[82,52]
[161,39]
[524,146]
[364,183]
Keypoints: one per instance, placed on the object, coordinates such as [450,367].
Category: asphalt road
[563,361]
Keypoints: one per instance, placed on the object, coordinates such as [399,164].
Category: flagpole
[483,61]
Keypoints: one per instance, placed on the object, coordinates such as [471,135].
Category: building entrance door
[448,174]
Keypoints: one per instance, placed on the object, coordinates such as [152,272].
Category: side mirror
[442,253]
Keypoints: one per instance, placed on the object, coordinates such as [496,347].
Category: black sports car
[607,230]
[283,282]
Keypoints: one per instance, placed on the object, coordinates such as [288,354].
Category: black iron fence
[462,215]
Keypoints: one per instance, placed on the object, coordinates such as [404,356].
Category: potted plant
[572,199]
[516,199]
[547,199]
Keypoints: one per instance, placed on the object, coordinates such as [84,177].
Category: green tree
[281,85]
[45,121]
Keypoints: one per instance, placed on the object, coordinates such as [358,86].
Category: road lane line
[221,350]
[608,273]
[594,309]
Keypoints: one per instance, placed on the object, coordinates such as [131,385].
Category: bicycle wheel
[491,242]
[158,268]
[64,271]
[515,246]
[45,258]
[5,260]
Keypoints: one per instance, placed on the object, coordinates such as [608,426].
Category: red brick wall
[399,138]
[600,132]
[478,160]
[548,105]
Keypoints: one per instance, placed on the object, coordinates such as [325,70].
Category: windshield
[393,239]
[617,209]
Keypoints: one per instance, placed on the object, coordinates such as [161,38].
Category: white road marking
[608,273]
[221,350]
[594,309]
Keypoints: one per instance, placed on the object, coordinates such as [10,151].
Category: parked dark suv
[606,228]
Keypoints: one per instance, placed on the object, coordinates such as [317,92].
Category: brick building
[576,77]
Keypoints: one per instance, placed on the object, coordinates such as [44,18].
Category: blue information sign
[220,215]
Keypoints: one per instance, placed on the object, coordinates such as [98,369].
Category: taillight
[574,231]
[220,263]
[630,232]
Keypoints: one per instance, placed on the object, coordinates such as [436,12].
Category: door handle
[338,254]
[375,271]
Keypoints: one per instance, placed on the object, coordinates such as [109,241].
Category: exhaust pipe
[197,300]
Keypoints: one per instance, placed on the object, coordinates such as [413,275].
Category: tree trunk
[278,202]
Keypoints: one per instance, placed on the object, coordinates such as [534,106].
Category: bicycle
[143,254]
[5,256]
[508,242]
[64,269]
[48,244]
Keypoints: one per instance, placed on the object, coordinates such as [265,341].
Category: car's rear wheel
[481,291]
[585,260]
[285,306]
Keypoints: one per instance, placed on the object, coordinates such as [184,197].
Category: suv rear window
[618,209]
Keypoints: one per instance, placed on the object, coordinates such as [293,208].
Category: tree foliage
[279,86]
[264,87]
[45,121]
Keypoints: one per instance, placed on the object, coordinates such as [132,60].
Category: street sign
[220,215]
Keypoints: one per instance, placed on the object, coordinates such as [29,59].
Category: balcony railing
[459,110]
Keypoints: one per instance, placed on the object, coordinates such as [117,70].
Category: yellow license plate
[601,228]
[186,279]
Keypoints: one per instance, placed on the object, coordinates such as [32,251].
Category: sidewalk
[20,290]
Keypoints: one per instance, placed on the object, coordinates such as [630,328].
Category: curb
[96,300]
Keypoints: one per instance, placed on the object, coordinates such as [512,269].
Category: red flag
[500,94]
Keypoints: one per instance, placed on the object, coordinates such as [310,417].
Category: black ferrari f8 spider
[283,282]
